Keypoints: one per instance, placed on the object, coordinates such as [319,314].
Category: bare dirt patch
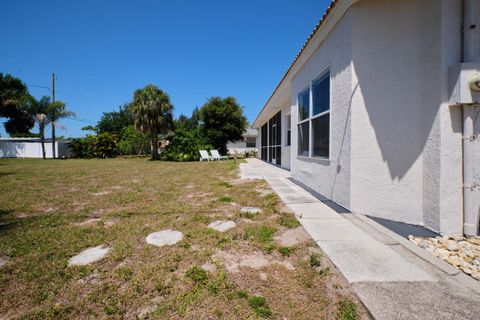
[3,261]
[97,213]
[234,261]
[293,237]
[264,191]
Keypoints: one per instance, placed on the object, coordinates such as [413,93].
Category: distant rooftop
[251,132]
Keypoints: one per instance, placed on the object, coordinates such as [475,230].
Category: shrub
[184,146]
[102,145]
[132,142]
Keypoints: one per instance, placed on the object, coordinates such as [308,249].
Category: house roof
[251,132]
[310,38]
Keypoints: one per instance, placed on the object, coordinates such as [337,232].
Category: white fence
[22,149]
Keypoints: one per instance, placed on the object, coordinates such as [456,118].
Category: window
[251,142]
[288,124]
[264,142]
[303,139]
[316,119]
[321,116]
[303,104]
[321,94]
[303,123]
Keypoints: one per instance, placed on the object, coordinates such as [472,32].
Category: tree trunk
[154,140]
[53,140]
[42,139]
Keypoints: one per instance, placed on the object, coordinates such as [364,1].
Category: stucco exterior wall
[406,155]
[395,139]
[331,177]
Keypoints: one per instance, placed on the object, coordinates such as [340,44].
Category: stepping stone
[222,226]
[89,256]
[251,210]
[164,237]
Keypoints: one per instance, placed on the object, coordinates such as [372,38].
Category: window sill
[314,159]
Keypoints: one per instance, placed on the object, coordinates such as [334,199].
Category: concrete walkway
[392,277]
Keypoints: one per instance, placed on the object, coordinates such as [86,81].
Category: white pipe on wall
[470,217]
[471,53]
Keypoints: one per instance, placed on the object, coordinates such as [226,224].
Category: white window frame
[288,130]
[309,87]
[310,117]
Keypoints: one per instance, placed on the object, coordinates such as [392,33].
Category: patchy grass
[315,260]
[288,220]
[259,305]
[197,274]
[46,212]
[262,236]
[286,251]
[347,310]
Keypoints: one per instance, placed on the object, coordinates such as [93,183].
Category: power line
[37,86]
[81,120]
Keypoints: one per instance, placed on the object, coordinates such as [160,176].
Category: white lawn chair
[204,156]
[217,156]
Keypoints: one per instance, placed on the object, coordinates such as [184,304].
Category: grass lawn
[51,210]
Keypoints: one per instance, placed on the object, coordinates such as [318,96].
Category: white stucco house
[379,111]
[247,144]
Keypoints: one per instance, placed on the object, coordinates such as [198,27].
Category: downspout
[469,54]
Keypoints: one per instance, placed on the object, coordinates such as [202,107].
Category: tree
[152,113]
[132,142]
[15,103]
[115,121]
[56,111]
[223,121]
[40,109]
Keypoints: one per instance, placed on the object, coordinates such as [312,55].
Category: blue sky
[101,51]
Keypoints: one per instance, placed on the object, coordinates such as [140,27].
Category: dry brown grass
[46,216]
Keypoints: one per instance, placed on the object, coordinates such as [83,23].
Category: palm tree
[56,111]
[39,109]
[152,112]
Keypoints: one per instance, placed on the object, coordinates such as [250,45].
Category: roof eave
[330,18]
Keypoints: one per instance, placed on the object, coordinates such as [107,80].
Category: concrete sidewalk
[393,278]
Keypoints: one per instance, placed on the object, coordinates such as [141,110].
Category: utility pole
[53,122]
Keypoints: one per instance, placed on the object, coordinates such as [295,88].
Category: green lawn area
[51,210]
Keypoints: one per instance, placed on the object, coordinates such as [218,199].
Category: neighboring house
[248,144]
[372,111]
[31,148]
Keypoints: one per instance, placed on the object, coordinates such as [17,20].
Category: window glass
[321,136]
[303,139]
[288,121]
[321,94]
[303,104]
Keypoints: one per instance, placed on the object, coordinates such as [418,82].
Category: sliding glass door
[271,138]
